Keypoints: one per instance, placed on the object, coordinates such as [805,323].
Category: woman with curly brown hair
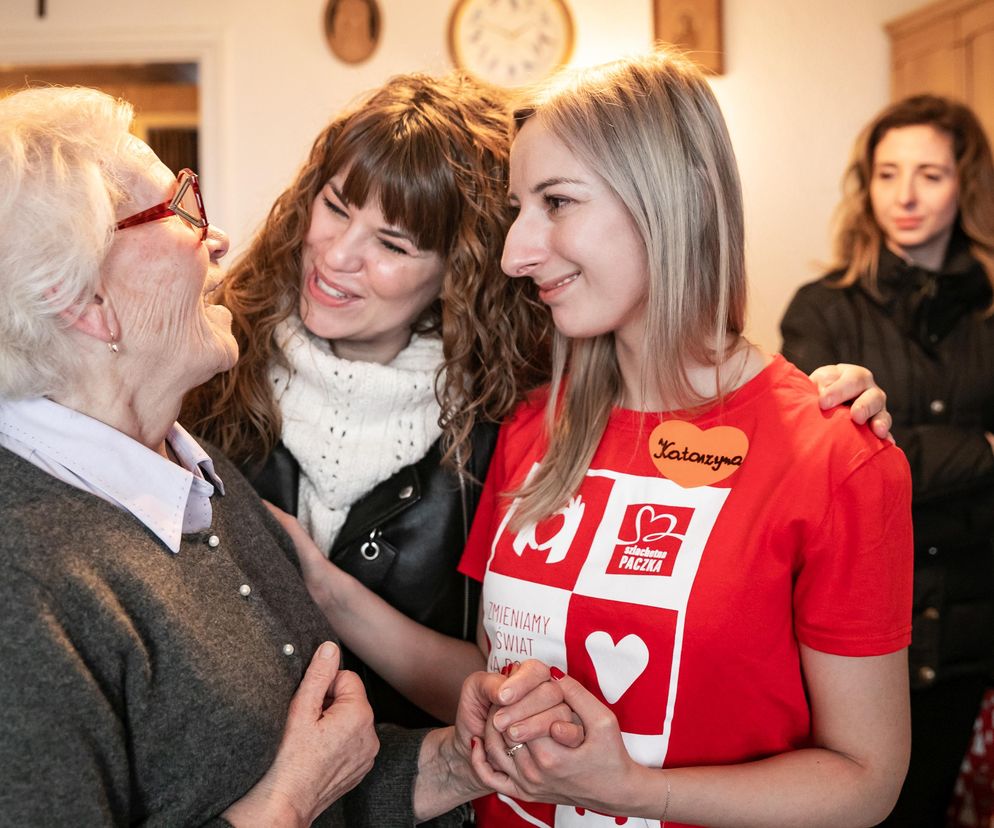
[911,299]
[374,283]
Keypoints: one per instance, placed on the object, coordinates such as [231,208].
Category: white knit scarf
[351,425]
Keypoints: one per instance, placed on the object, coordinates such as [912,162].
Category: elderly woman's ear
[98,320]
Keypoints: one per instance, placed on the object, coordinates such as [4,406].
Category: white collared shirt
[169,499]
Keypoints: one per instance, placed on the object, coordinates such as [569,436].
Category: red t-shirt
[681,606]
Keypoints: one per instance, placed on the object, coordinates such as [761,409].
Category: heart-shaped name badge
[691,457]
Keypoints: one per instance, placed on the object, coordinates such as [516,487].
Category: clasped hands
[571,750]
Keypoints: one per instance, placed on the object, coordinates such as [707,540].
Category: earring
[112,345]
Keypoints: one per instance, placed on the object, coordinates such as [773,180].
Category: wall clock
[510,42]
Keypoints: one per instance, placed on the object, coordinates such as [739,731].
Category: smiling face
[575,239]
[914,191]
[364,282]
[157,277]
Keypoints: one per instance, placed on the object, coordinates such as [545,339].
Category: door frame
[202,46]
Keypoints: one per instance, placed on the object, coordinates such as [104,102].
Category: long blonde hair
[652,129]
[434,151]
[858,236]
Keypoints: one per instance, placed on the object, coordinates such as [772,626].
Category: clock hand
[505,33]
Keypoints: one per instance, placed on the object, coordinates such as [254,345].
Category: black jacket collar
[927,303]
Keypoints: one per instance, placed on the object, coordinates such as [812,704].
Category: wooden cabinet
[947,48]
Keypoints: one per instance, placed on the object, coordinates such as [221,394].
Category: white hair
[59,192]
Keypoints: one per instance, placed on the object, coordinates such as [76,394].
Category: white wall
[801,77]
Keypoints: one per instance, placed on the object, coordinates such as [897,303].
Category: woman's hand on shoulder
[328,746]
[842,382]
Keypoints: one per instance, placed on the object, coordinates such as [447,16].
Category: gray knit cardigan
[139,686]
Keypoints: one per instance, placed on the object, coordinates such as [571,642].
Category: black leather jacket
[403,540]
[931,349]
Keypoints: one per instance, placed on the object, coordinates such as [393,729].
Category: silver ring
[514,749]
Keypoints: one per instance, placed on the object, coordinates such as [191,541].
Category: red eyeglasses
[188,204]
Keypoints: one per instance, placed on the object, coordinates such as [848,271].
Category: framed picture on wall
[352,28]
[695,27]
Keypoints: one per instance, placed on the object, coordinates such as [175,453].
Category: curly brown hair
[434,152]
[857,234]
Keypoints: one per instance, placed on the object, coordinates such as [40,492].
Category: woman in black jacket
[380,346]
[912,300]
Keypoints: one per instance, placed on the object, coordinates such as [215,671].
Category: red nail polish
[506,669]
[556,673]
[472,743]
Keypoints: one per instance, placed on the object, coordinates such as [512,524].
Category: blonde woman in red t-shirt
[718,572]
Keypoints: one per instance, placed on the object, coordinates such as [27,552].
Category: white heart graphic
[617,665]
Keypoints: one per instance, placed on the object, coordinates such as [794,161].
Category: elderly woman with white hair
[162,661]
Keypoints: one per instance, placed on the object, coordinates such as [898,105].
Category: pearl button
[213,541]
[937,406]
[289,649]
[406,492]
[932,614]
[926,674]
[933,550]
[245,590]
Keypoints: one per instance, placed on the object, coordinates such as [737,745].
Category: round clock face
[510,42]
